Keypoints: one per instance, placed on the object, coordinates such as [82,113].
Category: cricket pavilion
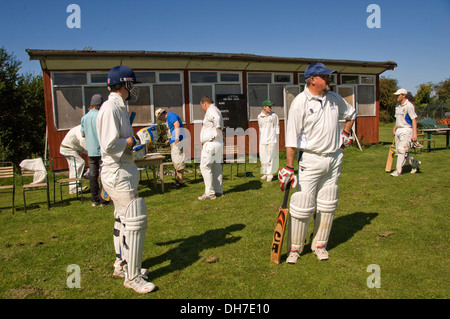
[176,81]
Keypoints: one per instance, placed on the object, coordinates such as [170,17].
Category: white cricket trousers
[403,137]
[120,182]
[268,155]
[211,167]
[316,171]
[76,168]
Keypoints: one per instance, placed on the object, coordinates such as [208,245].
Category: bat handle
[286,195]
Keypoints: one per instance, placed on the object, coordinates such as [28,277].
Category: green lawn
[221,249]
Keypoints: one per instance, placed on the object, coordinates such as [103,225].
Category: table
[429,131]
[152,161]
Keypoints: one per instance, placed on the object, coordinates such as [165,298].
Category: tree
[443,91]
[423,96]
[388,100]
[22,124]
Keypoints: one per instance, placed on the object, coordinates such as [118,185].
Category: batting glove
[345,138]
[286,176]
[139,151]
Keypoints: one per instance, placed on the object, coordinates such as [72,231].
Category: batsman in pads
[313,129]
[119,148]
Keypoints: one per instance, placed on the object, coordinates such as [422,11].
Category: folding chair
[7,173]
[28,187]
[66,181]
[231,156]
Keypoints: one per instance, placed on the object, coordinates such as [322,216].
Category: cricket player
[313,128]
[72,145]
[89,132]
[269,129]
[120,179]
[405,132]
[176,140]
[212,149]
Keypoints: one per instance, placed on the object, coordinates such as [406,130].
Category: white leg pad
[327,199]
[135,225]
[301,207]
[117,238]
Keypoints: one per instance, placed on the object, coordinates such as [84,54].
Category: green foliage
[388,100]
[442,90]
[22,124]
[423,96]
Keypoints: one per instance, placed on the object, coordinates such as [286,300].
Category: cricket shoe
[269,178]
[80,190]
[205,197]
[264,177]
[140,284]
[416,168]
[321,253]
[120,270]
[396,173]
[293,257]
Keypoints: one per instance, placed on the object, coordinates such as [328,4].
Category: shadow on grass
[344,228]
[188,251]
[252,184]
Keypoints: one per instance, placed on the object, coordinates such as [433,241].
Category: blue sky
[415,34]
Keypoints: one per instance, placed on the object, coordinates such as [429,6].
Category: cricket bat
[390,158]
[278,235]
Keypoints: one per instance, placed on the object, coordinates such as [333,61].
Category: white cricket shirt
[268,128]
[113,128]
[74,140]
[211,122]
[404,114]
[313,122]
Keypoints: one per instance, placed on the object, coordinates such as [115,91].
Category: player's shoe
[140,284]
[269,178]
[293,257]
[264,177]
[205,197]
[321,253]
[395,173]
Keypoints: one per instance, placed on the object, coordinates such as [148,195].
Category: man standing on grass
[120,179]
[313,128]
[269,129]
[212,149]
[89,132]
[176,140]
[405,132]
[71,147]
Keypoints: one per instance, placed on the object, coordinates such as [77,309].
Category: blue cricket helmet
[121,74]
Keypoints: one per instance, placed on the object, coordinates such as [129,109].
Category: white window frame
[89,83]
[158,82]
[213,88]
[356,91]
[284,84]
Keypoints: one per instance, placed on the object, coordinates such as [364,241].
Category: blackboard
[234,110]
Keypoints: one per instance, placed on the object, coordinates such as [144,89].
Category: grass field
[221,249]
